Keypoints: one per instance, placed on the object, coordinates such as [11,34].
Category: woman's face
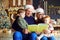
[28,12]
[39,16]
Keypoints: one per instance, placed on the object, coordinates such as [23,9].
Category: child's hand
[46,31]
[25,31]
[38,32]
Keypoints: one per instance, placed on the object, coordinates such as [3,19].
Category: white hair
[29,7]
[41,10]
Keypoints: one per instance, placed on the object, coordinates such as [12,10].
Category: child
[47,32]
[47,21]
[20,24]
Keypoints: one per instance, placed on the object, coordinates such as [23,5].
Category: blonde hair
[46,17]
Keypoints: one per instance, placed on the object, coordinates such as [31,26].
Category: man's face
[28,12]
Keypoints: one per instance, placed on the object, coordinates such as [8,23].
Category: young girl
[47,32]
[47,21]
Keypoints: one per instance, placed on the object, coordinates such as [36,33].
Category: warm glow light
[24,2]
[14,2]
[19,2]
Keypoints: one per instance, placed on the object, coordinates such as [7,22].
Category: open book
[39,27]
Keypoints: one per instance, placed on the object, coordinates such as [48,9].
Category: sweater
[30,20]
[19,24]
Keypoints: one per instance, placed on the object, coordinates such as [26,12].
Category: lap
[23,36]
[48,38]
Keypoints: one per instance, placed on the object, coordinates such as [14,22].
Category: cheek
[40,16]
[47,21]
[28,12]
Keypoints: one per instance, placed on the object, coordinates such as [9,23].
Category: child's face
[47,20]
[22,14]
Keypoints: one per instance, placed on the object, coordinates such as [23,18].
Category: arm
[51,28]
[22,23]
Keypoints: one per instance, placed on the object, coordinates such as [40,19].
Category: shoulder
[21,18]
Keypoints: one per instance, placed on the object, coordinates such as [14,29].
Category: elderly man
[28,14]
[29,9]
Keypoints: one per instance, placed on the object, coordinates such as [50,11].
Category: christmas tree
[4,19]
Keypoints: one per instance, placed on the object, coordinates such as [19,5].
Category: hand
[25,31]
[38,32]
[46,31]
